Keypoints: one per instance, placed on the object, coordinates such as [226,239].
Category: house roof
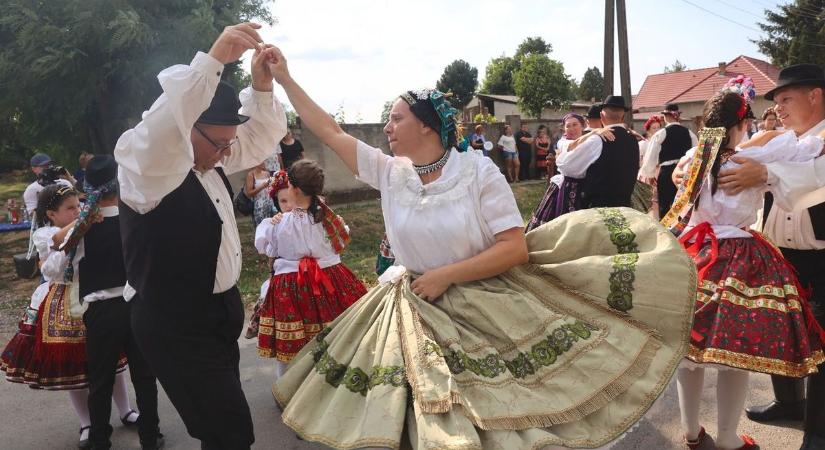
[501,98]
[701,84]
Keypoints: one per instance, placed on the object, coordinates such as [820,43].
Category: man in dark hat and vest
[180,239]
[593,118]
[607,159]
[795,221]
[664,150]
[100,275]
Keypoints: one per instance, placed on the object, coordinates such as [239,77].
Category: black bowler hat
[100,170]
[593,112]
[798,75]
[615,101]
[671,108]
[224,107]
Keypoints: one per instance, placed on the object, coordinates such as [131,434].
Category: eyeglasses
[218,148]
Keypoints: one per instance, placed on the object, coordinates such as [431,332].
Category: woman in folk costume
[473,345]
[560,196]
[751,314]
[49,350]
[310,286]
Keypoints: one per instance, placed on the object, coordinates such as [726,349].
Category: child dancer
[280,198]
[50,354]
[310,286]
[750,313]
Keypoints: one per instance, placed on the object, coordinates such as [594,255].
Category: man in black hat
[607,159]
[101,276]
[180,239]
[664,150]
[593,118]
[799,231]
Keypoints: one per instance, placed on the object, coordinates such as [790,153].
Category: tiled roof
[701,84]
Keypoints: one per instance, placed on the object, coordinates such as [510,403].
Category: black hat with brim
[100,170]
[798,75]
[594,112]
[224,108]
[671,108]
[615,101]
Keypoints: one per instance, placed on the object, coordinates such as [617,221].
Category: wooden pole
[624,58]
[608,47]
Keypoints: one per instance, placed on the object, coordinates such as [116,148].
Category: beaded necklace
[432,167]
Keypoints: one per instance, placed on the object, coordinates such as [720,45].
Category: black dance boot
[789,403]
[815,412]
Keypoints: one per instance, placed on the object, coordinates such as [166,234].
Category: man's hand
[749,174]
[277,65]
[234,41]
[261,75]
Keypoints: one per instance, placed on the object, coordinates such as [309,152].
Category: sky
[357,54]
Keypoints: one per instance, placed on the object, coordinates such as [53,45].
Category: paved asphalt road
[36,420]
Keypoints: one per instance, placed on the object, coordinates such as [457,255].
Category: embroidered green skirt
[568,350]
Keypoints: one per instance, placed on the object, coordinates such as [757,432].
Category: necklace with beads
[434,166]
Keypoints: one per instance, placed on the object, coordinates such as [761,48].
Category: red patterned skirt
[51,354]
[299,304]
[750,311]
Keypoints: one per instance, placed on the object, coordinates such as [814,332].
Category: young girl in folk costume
[652,125]
[279,194]
[465,344]
[49,350]
[560,195]
[750,313]
[310,286]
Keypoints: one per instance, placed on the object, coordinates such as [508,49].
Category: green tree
[795,33]
[77,73]
[541,82]
[533,46]
[592,85]
[385,113]
[461,79]
[498,76]
[677,66]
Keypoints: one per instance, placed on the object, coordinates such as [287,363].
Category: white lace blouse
[731,215]
[293,238]
[446,221]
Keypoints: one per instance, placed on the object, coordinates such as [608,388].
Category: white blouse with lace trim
[294,237]
[446,221]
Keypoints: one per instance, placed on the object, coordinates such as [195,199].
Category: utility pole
[608,47]
[624,59]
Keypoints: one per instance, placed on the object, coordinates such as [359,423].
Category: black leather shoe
[777,411]
[84,444]
[156,445]
[812,441]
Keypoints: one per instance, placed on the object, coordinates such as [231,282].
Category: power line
[721,16]
[739,8]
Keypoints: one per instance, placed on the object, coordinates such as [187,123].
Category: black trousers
[810,267]
[665,189]
[194,353]
[108,335]
[525,157]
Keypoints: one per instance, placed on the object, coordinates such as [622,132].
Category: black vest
[102,264]
[171,252]
[610,180]
[677,142]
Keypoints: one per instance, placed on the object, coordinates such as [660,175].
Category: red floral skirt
[51,354]
[298,306]
[750,311]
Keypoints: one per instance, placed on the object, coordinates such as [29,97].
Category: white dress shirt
[790,181]
[155,157]
[574,163]
[654,147]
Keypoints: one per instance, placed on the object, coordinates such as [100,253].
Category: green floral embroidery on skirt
[624,264]
[543,353]
[354,378]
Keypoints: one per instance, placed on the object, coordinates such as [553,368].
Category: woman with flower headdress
[751,313]
[466,344]
[309,286]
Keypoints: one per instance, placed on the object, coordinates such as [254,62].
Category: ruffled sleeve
[372,164]
[498,204]
[785,148]
[43,241]
[266,238]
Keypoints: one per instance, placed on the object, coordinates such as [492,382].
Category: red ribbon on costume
[701,231]
[316,278]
